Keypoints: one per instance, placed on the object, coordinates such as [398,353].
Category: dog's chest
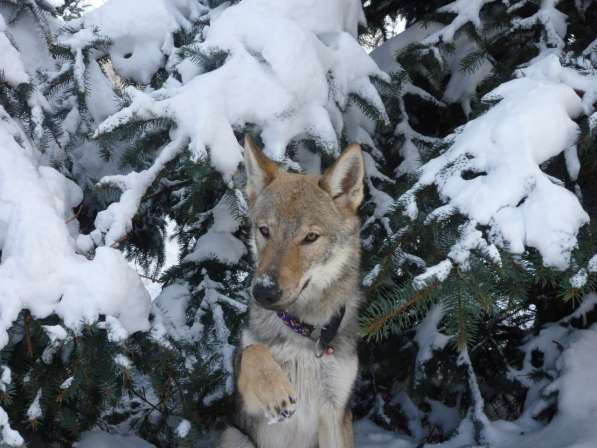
[322,385]
[325,380]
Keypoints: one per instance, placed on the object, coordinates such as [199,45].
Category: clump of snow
[467,11]
[10,437]
[170,314]
[77,42]
[505,147]
[116,332]
[219,242]
[552,20]
[428,336]
[123,361]
[34,411]
[116,221]
[579,279]
[57,334]
[212,303]
[385,55]
[572,162]
[183,428]
[371,276]
[569,356]
[11,65]
[39,268]
[67,383]
[5,378]
[436,273]
[472,239]
[141,32]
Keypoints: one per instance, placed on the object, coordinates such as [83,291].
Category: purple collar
[322,336]
[296,325]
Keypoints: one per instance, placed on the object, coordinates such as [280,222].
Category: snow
[9,436]
[5,378]
[55,332]
[428,336]
[99,439]
[11,65]
[67,383]
[472,239]
[213,301]
[574,424]
[463,83]
[532,123]
[467,11]
[71,286]
[141,32]
[552,20]
[116,332]
[219,242]
[77,42]
[32,46]
[436,273]
[385,55]
[371,276]
[34,411]
[367,435]
[579,279]
[592,265]
[183,428]
[123,361]
[117,220]
[170,313]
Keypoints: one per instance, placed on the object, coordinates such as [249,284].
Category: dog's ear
[344,179]
[261,171]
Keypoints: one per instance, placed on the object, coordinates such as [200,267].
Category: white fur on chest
[320,384]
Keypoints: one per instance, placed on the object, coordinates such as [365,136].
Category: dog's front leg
[335,428]
[263,385]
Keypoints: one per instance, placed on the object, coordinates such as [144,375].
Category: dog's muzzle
[266,295]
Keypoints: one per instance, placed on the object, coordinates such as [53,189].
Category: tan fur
[262,383]
[288,397]
[347,427]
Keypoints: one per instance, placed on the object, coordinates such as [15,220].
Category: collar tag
[321,349]
[322,336]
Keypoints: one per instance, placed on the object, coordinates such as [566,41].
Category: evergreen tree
[120,131]
[51,346]
[457,292]
[149,123]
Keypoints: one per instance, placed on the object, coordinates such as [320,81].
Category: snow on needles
[39,269]
[141,32]
[11,65]
[288,73]
[491,172]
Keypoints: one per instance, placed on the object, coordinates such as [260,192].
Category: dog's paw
[264,386]
[278,400]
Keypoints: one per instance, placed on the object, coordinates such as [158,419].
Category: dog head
[305,228]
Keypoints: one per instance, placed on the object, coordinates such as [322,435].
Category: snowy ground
[367,436]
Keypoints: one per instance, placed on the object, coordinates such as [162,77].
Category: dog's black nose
[266,293]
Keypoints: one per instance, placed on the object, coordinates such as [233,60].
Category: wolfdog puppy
[297,362]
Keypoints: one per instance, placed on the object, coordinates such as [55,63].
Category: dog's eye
[311,237]
[264,231]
